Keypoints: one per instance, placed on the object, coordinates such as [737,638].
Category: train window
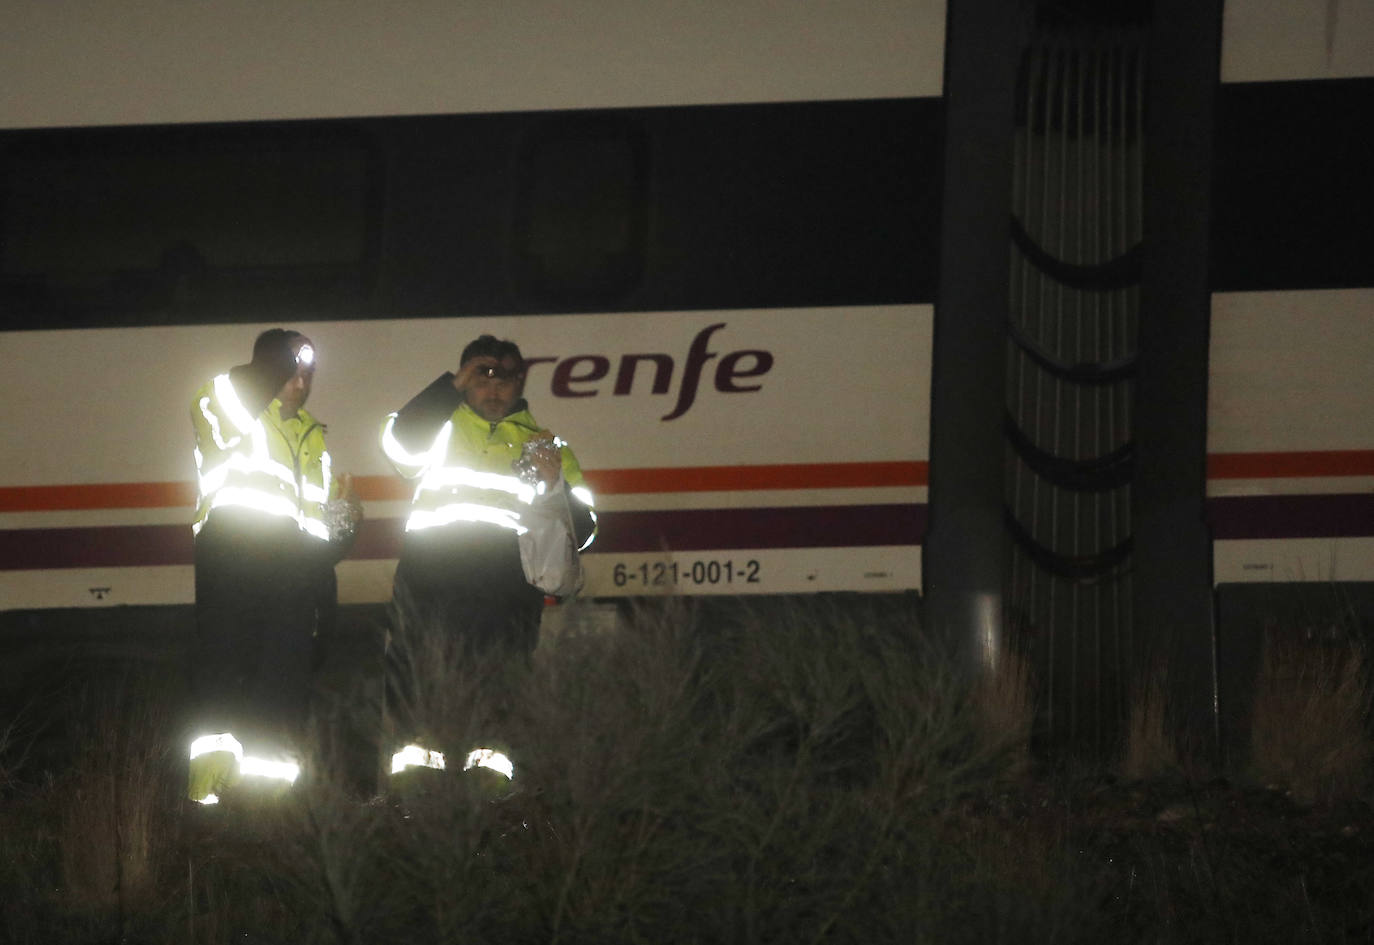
[580,212]
[115,226]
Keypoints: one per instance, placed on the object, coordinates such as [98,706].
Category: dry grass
[1150,749]
[700,772]
[98,826]
[119,797]
[12,755]
[1004,700]
[1310,724]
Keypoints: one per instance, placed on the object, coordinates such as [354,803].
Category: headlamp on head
[306,356]
[496,372]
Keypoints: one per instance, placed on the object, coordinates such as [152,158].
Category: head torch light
[496,372]
[306,356]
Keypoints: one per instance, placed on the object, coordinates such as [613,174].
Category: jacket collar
[273,411]
[520,416]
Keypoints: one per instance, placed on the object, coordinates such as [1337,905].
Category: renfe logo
[579,375]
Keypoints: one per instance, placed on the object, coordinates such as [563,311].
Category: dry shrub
[12,756]
[1150,749]
[305,867]
[978,878]
[699,772]
[744,771]
[1004,700]
[439,693]
[117,805]
[1309,727]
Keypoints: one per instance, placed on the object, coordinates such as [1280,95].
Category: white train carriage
[712,234]
[1290,483]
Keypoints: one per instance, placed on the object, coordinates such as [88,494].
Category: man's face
[494,387]
[295,392]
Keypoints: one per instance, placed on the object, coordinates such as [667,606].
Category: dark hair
[489,346]
[273,343]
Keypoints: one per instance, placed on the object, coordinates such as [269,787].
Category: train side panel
[714,236]
[92,62]
[1290,431]
[740,451]
[1291,441]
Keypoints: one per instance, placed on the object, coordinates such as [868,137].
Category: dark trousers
[259,591]
[466,582]
[461,609]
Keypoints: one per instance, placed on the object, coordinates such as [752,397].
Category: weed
[1150,750]
[1310,724]
[694,772]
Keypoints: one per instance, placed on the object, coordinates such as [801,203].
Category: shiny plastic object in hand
[526,467]
[341,517]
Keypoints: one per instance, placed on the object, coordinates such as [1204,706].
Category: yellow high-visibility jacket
[276,466]
[463,472]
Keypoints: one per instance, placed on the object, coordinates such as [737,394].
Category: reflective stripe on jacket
[279,467]
[464,474]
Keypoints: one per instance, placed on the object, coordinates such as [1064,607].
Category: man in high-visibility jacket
[271,523]
[483,468]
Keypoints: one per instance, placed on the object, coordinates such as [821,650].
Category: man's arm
[418,422]
[583,519]
[580,501]
[257,382]
[219,419]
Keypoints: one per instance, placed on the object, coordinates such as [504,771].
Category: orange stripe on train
[104,495]
[1308,465]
